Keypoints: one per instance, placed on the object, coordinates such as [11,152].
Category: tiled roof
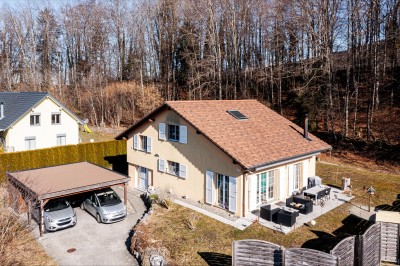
[264,138]
[17,104]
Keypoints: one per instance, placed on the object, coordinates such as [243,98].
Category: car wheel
[82,206]
[98,219]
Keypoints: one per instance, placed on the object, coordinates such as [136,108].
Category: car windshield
[56,205]
[108,198]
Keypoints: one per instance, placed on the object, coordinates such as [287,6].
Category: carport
[43,184]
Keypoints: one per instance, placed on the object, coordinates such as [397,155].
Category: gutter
[286,160]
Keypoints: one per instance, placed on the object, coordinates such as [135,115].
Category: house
[35,120]
[232,154]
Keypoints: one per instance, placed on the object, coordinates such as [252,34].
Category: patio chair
[269,214]
[327,193]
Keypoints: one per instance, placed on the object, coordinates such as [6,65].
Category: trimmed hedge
[91,152]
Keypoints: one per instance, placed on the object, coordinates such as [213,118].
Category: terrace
[285,217]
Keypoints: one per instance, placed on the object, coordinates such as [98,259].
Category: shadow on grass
[395,207]
[217,259]
[352,225]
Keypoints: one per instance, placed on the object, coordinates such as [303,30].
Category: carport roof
[62,180]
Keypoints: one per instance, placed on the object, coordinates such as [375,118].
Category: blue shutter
[182,171]
[209,187]
[135,141]
[232,194]
[149,143]
[183,134]
[161,165]
[161,131]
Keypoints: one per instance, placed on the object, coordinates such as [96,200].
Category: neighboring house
[35,120]
[235,155]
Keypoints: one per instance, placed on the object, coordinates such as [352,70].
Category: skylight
[236,114]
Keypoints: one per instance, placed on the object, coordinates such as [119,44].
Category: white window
[173,132]
[223,191]
[142,143]
[296,176]
[61,140]
[265,186]
[30,143]
[35,120]
[55,118]
[173,168]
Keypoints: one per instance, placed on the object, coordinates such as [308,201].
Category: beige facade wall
[198,155]
[201,155]
[283,181]
[45,133]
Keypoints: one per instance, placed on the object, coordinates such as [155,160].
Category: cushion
[292,203]
[298,205]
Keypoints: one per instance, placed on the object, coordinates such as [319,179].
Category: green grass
[211,242]
[387,186]
[96,136]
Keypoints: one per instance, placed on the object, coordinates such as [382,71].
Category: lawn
[97,136]
[211,241]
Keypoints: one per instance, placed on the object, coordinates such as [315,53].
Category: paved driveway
[95,244]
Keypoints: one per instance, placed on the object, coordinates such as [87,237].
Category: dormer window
[55,118]
[35,120]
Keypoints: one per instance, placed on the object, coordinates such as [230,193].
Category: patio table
[315,191]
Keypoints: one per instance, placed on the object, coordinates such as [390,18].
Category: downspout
[245,175]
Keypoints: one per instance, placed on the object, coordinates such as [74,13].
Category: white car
[58,214]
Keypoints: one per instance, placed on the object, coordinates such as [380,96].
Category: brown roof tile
[263,138]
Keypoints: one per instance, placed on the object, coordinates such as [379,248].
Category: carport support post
[125,194]
[41,218]
[29,210]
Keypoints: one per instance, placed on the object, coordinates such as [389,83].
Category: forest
[113,61]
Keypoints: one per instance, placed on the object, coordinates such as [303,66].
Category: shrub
[91,152]
[166,203]
[191,221]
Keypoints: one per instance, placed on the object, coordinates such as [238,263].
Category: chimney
[1,110]
[306,128]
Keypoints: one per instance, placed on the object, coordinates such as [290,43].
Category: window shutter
[161,165]
[291,179]
[253,192]
[135,141]
[183,134]
[161,131]
[232,194]
[209,187]
[182,171]
[149,143]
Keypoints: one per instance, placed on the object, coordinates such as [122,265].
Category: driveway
[95,244]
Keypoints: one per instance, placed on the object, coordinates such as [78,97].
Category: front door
[143,178]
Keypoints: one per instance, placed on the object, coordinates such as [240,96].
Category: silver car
[58,214]
[105,205]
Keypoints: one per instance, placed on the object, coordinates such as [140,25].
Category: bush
[91,152]
[191,222]
[166,203]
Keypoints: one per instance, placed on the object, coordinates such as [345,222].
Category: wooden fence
[345,251]
[256,252]
[381,241]
[390,238]
[305,256]
[369,253]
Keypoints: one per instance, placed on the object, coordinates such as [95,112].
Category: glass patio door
[265,186]
[223,190]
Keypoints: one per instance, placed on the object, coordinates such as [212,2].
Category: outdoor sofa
[304,206]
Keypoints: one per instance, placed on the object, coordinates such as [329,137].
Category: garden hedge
[91,152]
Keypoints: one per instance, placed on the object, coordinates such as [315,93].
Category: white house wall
[283,180]
[45,133]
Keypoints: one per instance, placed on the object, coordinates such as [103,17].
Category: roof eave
[141,121]
[266,165]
